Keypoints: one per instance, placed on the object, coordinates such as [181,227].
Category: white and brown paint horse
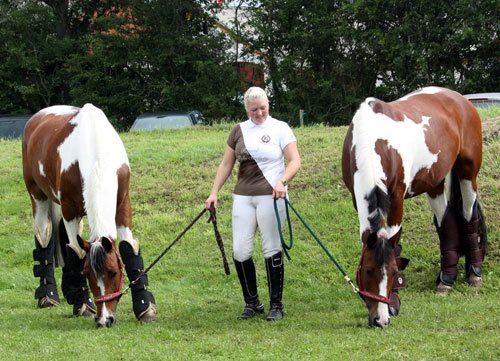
[75,164]
[428,142]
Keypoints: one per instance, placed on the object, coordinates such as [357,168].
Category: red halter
[117,294]
[365,294]
[111,296]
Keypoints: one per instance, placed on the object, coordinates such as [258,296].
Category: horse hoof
[149,315]
[46,302]
[85,311]
[442,289]
[475,281]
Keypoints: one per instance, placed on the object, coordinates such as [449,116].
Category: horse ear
[107,244]
[371,241]
[85,245]
[395,238]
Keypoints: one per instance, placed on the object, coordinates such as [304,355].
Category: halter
[114,295]
[366,294]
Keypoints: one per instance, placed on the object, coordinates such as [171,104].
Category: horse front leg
[447,223]
[395,229]
[143,301]
[74,283]
[44,254]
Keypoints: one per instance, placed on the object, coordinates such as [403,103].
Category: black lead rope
[218,238]
[213,219]
[287,247]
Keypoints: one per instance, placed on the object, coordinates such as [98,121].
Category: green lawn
[198,304]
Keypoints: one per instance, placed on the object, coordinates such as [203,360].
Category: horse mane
[97,258]
[102,155]
[378,207]
[383,250]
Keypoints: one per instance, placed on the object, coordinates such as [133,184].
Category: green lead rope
[287,247]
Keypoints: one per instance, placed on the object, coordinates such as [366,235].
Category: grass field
[198,304]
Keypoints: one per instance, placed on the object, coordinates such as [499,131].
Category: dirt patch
[491,129]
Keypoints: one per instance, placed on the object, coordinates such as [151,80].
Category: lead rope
[218,238]
[213,219]
[316,238]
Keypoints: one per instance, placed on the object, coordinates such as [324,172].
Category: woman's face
[258,110]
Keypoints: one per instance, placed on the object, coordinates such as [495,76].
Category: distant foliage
[133,56]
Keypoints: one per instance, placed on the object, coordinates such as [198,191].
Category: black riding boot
[74,285]
[473,249]
[46,293]
[248,281]
[275,274]
[143,301]
[449,242]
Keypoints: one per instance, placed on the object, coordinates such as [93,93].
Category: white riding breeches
[250,213]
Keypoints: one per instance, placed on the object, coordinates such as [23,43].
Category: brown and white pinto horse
[428,142]
[75,164]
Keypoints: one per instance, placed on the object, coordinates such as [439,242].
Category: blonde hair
[253,93]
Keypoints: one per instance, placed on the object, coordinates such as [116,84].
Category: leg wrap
[449,242]
[275,275]
[46,293]
[74,284]
[472,244]
[142,299]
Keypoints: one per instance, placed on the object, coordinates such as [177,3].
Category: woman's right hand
[211,201]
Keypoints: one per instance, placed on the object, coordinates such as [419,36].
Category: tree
[327,56]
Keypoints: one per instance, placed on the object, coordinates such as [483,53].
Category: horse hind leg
[44,253]
[474,235]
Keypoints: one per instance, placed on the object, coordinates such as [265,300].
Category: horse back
[42,135]
[416,140]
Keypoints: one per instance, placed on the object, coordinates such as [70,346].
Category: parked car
[484,100]
[12,126]
[163,120]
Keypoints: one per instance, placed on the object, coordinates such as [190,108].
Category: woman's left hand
[279,191]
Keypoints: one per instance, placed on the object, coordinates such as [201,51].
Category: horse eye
[113,274]
[369,271]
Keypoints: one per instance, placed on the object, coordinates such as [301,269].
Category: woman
[260,145]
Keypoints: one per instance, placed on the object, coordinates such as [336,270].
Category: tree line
[321,56]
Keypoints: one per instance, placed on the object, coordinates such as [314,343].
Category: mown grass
[198,304]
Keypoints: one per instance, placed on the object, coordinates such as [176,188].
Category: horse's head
[104,271]
[375,276]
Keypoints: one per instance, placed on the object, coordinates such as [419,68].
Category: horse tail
[378,207]
[58,232]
